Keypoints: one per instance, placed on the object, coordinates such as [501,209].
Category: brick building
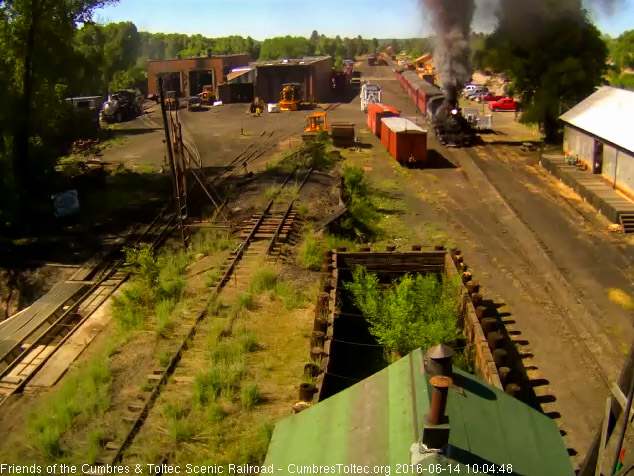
[313,73]
[188,76]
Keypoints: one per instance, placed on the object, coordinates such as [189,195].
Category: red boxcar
[377,112]
[404,140]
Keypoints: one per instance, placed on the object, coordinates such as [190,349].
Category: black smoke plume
[451,20]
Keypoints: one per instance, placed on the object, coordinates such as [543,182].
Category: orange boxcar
[376,112]
[404,140]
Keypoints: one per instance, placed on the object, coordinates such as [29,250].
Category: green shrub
[354,182]
[250,396]
[416,311]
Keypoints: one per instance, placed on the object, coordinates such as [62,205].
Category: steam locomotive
[451,127]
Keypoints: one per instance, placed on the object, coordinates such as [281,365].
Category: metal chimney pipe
[440,386]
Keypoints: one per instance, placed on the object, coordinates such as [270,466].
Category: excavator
[290,97]
[316,123]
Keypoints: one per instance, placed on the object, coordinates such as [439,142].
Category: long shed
[599,131]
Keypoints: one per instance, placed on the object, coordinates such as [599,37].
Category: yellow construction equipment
[290,97]
[207,96]
[315,123]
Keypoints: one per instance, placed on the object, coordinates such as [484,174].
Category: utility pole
[170,155]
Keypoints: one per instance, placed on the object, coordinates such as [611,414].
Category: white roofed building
[600,131]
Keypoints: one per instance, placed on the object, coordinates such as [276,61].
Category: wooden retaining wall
[390,264]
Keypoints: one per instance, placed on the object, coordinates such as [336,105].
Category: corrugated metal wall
[624,170]
[577,142]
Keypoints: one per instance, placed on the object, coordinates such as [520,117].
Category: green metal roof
[376,421]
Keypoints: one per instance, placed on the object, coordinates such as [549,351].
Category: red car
[504,104]
[489,97]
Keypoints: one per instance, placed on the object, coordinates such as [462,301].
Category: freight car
[450,125]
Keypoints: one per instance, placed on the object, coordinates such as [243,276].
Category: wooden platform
[593,188]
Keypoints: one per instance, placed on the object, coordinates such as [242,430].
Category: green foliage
[179,426]
[247,341]
[156,286]
[245,301]
[212,276]
[83,394]
[622,50]
[362,218]
[254,446]
[416,311]
[250,396]
[286,47]
[624,80]
[553,66]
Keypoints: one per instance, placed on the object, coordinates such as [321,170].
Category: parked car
[470,88]
[489,97]
[122,106]
[504,104]
[477,93]
[194,103]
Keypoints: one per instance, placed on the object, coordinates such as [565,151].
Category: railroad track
[33,343]
[262,235]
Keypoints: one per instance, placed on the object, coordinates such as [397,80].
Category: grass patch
[212,277]
[247,340]
[95,443]
[312,250]
[264,280]
[250,396]
[290,297]
[82,396]
[302,209]
[245,301]
[164,358]
[210,241]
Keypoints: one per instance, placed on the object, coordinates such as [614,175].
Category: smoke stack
[436,428]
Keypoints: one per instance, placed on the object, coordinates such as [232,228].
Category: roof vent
[436,427]
[438,361]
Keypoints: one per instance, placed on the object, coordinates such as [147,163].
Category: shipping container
[404,140]
[376,112]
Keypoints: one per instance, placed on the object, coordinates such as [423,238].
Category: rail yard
[220,328]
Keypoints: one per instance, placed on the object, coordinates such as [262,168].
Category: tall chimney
[438,365]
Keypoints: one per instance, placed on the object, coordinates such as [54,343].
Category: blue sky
[266,18]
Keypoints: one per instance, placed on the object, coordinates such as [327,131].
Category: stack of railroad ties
[403,139]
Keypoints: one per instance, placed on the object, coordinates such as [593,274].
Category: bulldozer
[316,123]
[207,96]
[290,97]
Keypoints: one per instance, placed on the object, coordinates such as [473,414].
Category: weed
[211,241]
[247,341]
[212,277]
[145,168]
[163,310]
[181,430]
[214,306]
[311,253]
[264,280]
[83,395]
[215,413]
[302,209]
[254,446]
[244,301]
[95,443]
[165,358]
[270,192]
[145,386]
[290,297]
[250,396]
